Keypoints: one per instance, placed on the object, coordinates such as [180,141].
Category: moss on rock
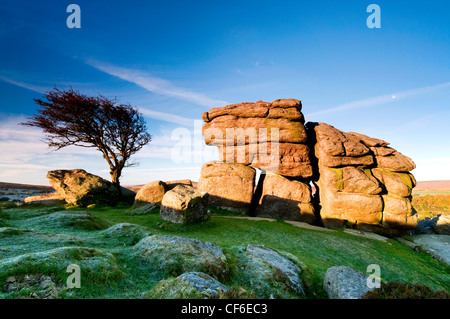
[128,234]
[192,285]
[175,255]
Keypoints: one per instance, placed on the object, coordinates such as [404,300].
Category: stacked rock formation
[268,136]
[362,182]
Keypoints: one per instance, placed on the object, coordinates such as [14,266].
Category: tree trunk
[115,175]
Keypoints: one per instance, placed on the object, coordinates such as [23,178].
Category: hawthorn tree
[70,118]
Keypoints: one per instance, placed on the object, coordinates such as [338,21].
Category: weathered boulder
[286,267]
[152,192]
[342,282]
[203,283]
[81,188]
[285,199]
[176,255]
[228,185]
[190,285]
[442,225]
[184,205]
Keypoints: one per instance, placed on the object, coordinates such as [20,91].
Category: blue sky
[176,59]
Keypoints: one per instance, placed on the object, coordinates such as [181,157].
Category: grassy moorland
[431,203]
[43,241]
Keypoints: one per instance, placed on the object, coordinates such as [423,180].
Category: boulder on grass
[175,255]
[284,266]
[342,282]
[190,285]
[152,192]
[184,205]
[285,199]
[229,185]
[81,188]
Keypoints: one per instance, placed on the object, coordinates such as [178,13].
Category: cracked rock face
[362,182]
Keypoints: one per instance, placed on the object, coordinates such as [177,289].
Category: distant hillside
[26,186]
[433,185]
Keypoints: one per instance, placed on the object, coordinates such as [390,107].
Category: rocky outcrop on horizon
[360,181]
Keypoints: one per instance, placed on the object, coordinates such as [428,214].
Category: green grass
[314,251]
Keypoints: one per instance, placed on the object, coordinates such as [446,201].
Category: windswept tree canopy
[71,118]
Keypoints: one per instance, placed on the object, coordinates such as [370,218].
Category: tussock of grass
[10,231]
[431,205]
[398,290]
[126,233]
[96,265]
[63,219]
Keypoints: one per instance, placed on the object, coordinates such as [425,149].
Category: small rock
[342,282]
[184,205]
[142,210]
[442,226]
[285,266]
[437,246]
[152,192]
[203,283]
[10,279]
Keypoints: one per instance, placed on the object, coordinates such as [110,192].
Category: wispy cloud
[382,99]
[167,117]
[154,84]
[28,86]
